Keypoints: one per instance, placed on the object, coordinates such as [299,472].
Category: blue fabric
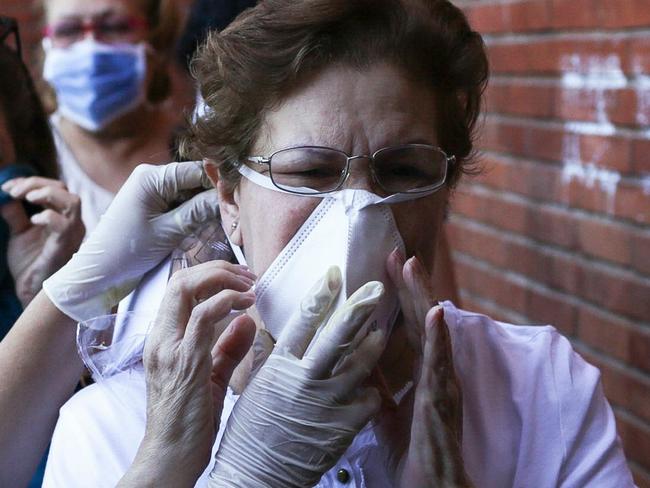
[10,306]
[37,479]
[9,173]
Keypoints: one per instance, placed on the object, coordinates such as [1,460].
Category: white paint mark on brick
[593,76]
[645,184]
[642,89]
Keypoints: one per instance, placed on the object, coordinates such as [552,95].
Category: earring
[233,226]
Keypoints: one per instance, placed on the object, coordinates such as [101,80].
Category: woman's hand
[40,245]
[188,360]
[304,407]
[430,419]
[141,227]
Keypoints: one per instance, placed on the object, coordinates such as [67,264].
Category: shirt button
[343,476]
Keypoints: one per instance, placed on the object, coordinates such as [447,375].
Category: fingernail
[245,271]
[6,186]
[398,255]
[31,196]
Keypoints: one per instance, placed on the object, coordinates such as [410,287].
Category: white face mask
[352,229]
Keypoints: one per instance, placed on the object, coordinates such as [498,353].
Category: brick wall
[556,230]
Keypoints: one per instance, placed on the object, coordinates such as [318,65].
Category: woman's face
[113,20]
[356,112]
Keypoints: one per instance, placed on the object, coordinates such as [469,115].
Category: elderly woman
[335,133]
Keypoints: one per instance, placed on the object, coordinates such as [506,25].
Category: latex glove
[305,406]
[188,362]
[425,432]
[135,234]
[39,245]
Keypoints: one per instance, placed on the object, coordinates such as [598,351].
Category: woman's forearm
[40,368]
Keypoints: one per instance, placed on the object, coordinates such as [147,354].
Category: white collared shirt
[534,415]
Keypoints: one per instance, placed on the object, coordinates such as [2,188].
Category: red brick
[618,338]
[518,98]
[641,154]
[604,240]
[575,13]
[635,437]
[623,388]
[522,16]
[553,56]
[633,202]
[539,307]
[641,251]
[554,143]
[638,59]
[625,13]
[617,292]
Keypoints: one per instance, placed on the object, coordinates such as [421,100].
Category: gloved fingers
[417,281]
[56,198]
[395,268]
[341,328]
[356,366]
[179,177]
[365,406]
[19,187]
[188,286]
[299,332]
[195,212]
[230,349]
[201,330]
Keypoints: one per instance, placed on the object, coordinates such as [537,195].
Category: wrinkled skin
[41,245]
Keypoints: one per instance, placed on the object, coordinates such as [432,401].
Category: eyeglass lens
[396,170]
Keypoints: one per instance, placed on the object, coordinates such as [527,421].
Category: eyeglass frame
[10,26]
[449,160]
[90,25]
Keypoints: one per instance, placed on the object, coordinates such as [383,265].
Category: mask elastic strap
[266,182]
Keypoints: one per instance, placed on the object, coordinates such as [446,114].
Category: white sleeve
[94,442]
[593,456]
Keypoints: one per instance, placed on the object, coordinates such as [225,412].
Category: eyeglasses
[9,26]
[109,29]
[312,170]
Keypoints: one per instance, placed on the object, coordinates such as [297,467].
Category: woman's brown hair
[255,63]
[26,120]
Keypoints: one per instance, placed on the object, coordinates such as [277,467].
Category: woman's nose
[360,175]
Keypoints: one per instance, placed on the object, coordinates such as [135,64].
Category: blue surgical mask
[96,83]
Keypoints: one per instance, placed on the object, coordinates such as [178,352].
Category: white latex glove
[135,234]
[304,407]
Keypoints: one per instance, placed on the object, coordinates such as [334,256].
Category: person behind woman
[40,221]
[40,227]
[108,64]
[336,130]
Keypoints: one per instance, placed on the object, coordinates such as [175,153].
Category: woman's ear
[228,203]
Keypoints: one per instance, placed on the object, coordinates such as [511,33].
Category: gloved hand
[305,406]
[135,234]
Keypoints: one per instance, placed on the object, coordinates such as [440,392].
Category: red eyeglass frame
[90,25]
